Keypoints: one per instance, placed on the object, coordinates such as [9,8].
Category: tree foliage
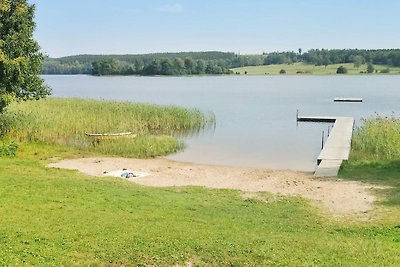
[324,57]
[357,61]
[184,63]
[281,58]
[341,70]
[370,68]
[212,62]
[20,59]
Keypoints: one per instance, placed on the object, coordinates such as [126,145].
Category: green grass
[65,121]
[377,139]
[305,69]
[143,146]
[53,217]
[8,148]
[380,172]
[375,158]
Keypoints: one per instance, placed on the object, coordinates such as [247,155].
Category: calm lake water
[256,115]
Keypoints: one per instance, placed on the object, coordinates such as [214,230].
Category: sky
[72,27]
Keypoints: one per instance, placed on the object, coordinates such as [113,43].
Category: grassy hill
[306,69]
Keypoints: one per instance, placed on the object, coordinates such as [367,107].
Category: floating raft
[347,99]
[337,146]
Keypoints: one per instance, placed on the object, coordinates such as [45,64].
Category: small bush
[282,71]
[8,149]
[341,70]
[387,70]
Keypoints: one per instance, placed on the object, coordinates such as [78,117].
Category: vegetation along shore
[314,61]
[67,121]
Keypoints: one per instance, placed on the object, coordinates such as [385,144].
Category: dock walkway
[337,146]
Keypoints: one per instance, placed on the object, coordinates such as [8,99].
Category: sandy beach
[337,197]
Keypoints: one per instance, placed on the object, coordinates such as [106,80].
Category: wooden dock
[337,146]
[347,99]
[316,119]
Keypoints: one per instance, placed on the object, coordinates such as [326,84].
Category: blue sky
[70,27]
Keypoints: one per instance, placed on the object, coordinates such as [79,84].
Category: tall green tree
[107,66]
[20,58]
[200,66]
[189,65]
[357,61]
[370,68]
[166,67]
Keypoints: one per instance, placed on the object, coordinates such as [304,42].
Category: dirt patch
[340,198]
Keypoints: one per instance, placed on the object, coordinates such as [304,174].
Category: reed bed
[66,121]
[377,139]
[144,146]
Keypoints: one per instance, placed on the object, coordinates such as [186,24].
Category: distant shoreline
[314,61]
[300,69]
[307,69]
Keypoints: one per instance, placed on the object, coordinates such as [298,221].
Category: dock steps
[328,168]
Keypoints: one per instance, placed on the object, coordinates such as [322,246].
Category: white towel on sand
[125,173]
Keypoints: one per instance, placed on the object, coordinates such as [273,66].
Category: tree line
[183,63]
[214,62]
[166,66]
[320,57]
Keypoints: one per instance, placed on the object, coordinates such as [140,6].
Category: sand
[336,197]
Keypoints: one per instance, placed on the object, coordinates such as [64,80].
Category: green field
[305,69]
[55,217]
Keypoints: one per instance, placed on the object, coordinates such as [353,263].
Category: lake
[256,115]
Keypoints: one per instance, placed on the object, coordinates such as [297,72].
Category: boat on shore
[99,136]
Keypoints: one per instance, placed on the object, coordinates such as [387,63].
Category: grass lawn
[305,69]
[59,217]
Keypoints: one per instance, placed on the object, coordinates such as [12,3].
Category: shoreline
[336,197]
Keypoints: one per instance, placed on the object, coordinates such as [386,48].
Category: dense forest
[185,63]
[389,57]
[190,63]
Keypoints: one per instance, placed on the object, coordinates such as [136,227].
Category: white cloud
[170,8]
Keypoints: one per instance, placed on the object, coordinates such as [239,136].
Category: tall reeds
[65,121]
[377,139]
